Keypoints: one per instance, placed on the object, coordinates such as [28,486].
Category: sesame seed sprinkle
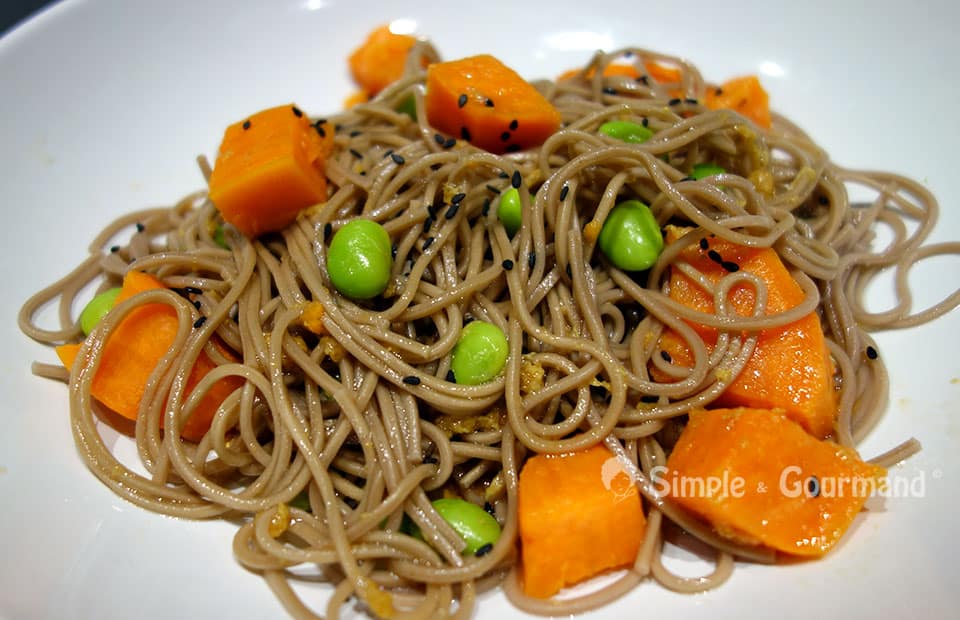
[665,356]
[451,377]
[297,112]
[704,244]
[505,136]
[199,322]
[246,124]
[114,249]
[327,229]
[452,211]
[140,227]
[488,103]
[427,243]
[563,192]
[484,550]
[507,264]
[872,353]
[465,133]
[516,180]
[397,159]
[458,198]
[715,256]
[439,139]
[514,124]
[493,189]
[462,100]
[411,380]
[730,266]
[675,101]
[356,153]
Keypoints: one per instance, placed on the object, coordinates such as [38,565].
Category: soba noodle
[333,416]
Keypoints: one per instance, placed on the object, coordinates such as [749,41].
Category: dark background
[12,12]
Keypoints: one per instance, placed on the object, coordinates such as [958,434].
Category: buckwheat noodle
[332,415]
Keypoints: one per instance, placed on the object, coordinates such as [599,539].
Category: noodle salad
[476,331]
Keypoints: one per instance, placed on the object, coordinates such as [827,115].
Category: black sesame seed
[704,244]
[484,550]
[674,101]
[643,79]
[665,356]
[493,189]
[488,103]
[449,143]
[452,211]
[645,122]
[507,264]
[196,304]
[297,112]
[730,266]
[327,230]
[488,508]
[432,210]
[320,130]
[872,353]
[451,377]
[461,101]
[411,380]
[514,124]
[398,159]
[505,136]
[199,322]
[503,175]
[609,90]
[715,256]
[458,198]
[718,92]
[563,192]
[192,290]
[363,173]
[114,249]
[465,133]
[513,148]
[427,243]
[691,101]
[356,153]
[355,133]
[439,139]
[388,153]
[246,125]
[813,486]
[486,205]
[140,227]
[427,223]
[516,180]
[531,259]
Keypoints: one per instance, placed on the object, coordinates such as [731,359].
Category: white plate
[105,104]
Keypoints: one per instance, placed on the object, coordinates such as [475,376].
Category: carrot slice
[488,104]
[380,60]
[133,351]
[580,515]
[744,95]
[757,477]
[790,368]
[270,167]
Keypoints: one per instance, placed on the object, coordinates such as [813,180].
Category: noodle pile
[338,416]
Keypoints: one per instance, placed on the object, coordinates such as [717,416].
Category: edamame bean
[409,107]
[220,237]
[359,260]
[480,353]
[631,237]
[509,210]
[701,171]
[475,525]
[626,131]
[96,309]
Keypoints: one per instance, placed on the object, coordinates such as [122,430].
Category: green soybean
[631,237]
[409,107]
[475,525]
[359,260]
[96,308]
[626,131]
[220,237]
[701,171]
[509,211]
[480,354]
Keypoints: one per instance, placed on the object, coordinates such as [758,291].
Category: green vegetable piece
[509,211]
[220,238]
[626,131]
[631,237]
[96,309]
[480,353]
[301,501]
[409,107]
[701,171]
[475,525]
[359,260]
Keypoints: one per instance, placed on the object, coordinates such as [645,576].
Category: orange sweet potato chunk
[744,95]
[580,515]
[380,59]
[270,166]
[785,489]
[791,368]
[488,104]
[133,351]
